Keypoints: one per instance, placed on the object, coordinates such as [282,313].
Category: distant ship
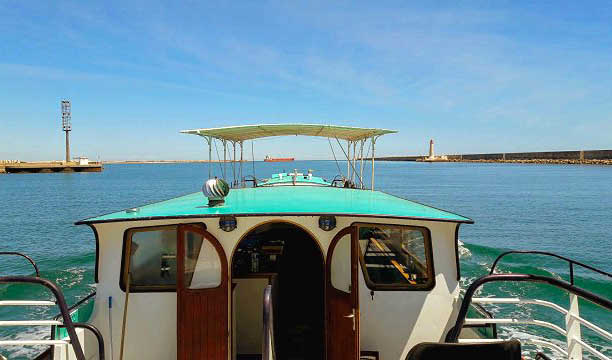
[271,159]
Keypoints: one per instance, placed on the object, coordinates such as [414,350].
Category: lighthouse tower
[431,149]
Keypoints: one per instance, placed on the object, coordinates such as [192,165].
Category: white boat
[268,270]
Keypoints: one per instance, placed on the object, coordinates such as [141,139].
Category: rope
[332,150]
[219,158]
[347,157]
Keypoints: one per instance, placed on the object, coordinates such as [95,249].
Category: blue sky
[475,76]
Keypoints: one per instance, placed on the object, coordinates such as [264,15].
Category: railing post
[572,326]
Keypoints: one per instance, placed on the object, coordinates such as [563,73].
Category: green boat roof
[286,201]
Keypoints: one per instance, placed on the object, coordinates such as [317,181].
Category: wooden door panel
[342,310]
[202,314]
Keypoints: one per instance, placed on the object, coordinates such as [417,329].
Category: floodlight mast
[66,125]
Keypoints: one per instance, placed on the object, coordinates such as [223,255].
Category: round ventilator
[215,190]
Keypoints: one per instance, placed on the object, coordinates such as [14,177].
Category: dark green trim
[86,222]
[95,231]
[457,252]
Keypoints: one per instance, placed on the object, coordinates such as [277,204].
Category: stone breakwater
[590,157]
[540,161]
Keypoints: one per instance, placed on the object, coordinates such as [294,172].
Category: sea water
[565,209]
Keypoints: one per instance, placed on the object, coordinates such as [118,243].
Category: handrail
[70,310]
[485,314]
[77,304]
[61,303]
[541,355]
[250,178]
[24,256]
[547,304]
[545,253]
[97,334]
[453,334]
[268,352]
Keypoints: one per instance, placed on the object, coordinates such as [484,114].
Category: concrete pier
[51,167]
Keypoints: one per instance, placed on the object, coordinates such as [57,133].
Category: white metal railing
[573,322]
[26,303]
[30,323]
[60,301]
[33,342]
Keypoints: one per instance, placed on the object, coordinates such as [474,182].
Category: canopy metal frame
[356,140]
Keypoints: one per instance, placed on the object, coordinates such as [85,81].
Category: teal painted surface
[289,200]
[277,179]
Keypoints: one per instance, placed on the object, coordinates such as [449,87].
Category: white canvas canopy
[354,136]
[249,132]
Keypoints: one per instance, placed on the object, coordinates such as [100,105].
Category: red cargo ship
[271,159]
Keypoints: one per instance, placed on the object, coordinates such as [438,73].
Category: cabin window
[396,257]
[202,263]
[341,264]
[152,261]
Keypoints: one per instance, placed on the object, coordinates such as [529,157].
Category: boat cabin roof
[286,201]
[249,132]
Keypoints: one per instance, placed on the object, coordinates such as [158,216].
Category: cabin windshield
[396,257]
[152,262]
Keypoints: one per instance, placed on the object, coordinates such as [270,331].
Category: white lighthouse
[432,155]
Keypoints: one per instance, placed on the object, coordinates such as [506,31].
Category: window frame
[431,272]
[127,237]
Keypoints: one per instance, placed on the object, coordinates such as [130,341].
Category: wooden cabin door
[202,296]
[342,301]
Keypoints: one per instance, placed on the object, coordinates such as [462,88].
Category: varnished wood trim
[213,240]
[211,307]
[331,293]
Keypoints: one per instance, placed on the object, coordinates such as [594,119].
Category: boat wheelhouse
[290,267]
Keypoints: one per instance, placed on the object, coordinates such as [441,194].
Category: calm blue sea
[557,208]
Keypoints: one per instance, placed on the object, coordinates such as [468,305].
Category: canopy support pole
[348,159]
[234,183]
[209,139]
[253,159]
[224,159]
[241,156]
[354,174]
[373,153]
[361,165]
